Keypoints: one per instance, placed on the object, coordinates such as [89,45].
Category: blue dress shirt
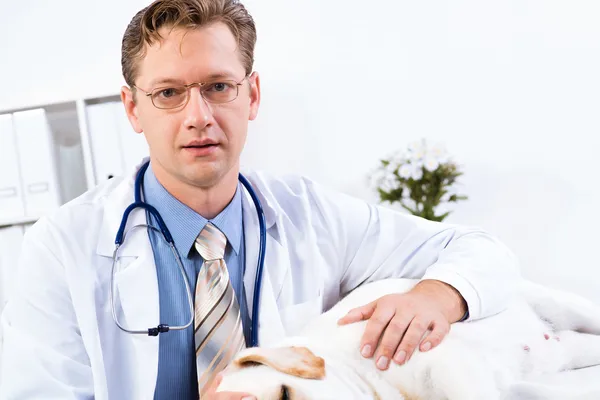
[177,376]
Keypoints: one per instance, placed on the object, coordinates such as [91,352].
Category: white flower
[431,163]
[451,191]
[417,173]
[399,158]
[391,168]
[417,150]
[438,151]
[376,177]
[406,171]
[417,145]
[389,183]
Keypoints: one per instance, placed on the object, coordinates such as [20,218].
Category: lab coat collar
[122,196]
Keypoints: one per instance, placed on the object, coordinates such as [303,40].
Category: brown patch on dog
[295,361]
[408,396]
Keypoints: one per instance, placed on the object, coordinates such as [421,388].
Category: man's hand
[211,392]
[403,321]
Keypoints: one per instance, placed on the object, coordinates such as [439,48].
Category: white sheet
[582,378]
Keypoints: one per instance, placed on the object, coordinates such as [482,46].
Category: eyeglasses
[217,92]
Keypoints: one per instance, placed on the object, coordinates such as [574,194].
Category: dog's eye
[285,393]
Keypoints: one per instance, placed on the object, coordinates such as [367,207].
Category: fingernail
[342,320]
[366,351]
[382,362]
[426,347]
[400,357]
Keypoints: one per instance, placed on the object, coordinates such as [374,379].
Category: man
[191,91]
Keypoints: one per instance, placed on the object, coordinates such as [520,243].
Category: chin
[201,174]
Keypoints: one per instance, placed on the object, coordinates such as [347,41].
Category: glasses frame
[188,87]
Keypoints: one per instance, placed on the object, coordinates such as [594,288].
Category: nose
[198,113]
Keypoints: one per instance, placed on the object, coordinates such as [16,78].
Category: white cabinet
[11,196]
[50,154]
[37,167]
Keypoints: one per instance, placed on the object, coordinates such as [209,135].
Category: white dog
[542,331]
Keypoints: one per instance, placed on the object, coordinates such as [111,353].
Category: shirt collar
[184,223]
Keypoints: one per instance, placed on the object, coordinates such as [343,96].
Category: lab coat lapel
[137,304]
[136,285]
[275,269]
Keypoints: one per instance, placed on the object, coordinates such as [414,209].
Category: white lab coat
[60,340]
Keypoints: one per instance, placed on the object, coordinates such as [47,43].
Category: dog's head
[285,373]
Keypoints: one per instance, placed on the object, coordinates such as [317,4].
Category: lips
[205,146]
[201,143]
[201,148]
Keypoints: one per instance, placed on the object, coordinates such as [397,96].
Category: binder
[133,144]
[11,195]
[37,162]
[105,144]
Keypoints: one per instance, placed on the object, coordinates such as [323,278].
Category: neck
[370,384]
[209,200]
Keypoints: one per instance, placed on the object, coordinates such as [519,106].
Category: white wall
[511,87]
[52,51]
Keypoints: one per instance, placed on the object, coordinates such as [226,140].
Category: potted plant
[420,179]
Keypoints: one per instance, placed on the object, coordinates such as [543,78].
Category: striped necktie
[218,332]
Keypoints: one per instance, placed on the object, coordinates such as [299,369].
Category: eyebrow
[162,81]
[215,75]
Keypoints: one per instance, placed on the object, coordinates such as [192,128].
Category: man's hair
[143,29]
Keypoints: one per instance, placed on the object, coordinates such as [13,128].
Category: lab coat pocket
[297,316]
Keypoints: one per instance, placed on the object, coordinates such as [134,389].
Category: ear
[295,361]
[128,99]
[254,81]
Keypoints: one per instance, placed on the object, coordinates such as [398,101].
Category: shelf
[17,221]
[60,102]
[90,138]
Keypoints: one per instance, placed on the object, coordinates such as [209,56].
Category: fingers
[415,335]
[231,396]
[212,394]
[391,339]
[212,388]
[417,328]
[374,329]
[358,314]
[439,331]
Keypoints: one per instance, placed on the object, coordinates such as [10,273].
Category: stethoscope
[139,203]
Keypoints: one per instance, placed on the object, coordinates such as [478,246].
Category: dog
[542,331]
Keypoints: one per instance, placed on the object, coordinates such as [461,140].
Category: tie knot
[211,243]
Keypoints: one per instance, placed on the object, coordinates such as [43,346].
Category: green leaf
[414,212]
[442,217]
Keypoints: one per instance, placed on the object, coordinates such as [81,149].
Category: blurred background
[511,88]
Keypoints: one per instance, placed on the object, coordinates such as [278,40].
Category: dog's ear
[296,361]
